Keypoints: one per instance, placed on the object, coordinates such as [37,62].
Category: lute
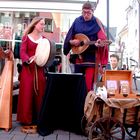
[85,42]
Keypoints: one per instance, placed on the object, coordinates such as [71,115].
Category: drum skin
[44,52]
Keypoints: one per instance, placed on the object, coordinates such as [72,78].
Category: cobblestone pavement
[16,134]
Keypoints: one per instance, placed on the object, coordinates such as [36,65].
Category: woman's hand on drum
[31,59]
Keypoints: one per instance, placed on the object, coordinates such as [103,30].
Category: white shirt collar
[35,41]
[114,69]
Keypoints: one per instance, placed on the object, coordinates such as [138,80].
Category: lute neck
[90,42]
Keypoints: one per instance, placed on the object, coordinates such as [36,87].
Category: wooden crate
[118,75]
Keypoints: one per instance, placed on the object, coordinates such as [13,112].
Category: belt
[36,81]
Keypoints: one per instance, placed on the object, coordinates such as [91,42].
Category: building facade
[130,34]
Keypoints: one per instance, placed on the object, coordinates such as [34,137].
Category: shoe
[29,129]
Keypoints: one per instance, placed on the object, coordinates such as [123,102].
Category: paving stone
[61,132]
[51,137]
[63,137]
[77,137]
[31,137]
[6,136]
[19,137]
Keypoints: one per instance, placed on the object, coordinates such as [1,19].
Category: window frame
[49,22]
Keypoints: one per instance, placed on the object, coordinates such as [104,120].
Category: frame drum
[45,52]
[52,54]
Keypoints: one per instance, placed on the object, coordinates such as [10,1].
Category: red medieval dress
[29,101]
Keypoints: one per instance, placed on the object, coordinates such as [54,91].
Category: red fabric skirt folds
[29,103]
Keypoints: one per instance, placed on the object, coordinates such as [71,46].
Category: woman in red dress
[32,77]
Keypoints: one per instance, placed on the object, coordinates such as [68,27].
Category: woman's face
[40,26]
[87,14]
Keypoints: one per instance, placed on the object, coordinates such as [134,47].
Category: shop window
[58,49]
[48,25]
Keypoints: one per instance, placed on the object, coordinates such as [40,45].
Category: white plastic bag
[102,92]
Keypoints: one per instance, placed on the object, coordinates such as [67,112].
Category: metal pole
[139,33]
[108,19]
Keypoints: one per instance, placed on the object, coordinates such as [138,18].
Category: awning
[70,6]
